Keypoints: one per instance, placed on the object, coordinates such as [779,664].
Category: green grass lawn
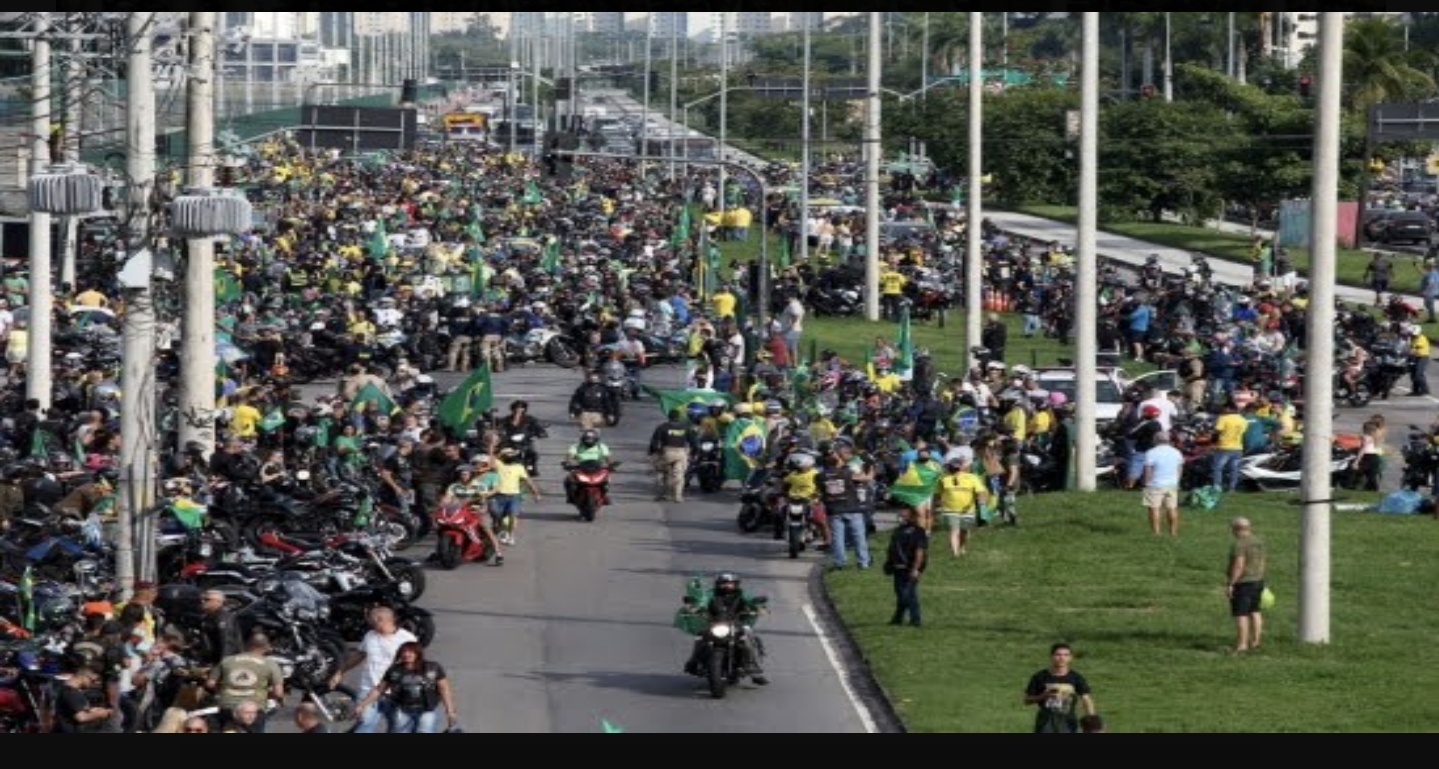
[1235,248]
[1149,622]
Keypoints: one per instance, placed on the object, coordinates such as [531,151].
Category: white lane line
[829,652]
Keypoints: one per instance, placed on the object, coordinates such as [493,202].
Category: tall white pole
[74,116]
[645,108]
[1168,62]
[804,154]
[723,149]
[222,54]
[137,406]
[873,152]
[1315,488]
[974,258]
[675,90]
[924,60]
[37,361]
[1230,67]
[197,361]
[1086,290]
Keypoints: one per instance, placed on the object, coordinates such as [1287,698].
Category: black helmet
[726,582]
[517,405]
[589,437]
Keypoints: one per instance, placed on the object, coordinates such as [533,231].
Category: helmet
[696,411]
[726,583]
[801,460]
[1149,412]
[1057,399]
[773,407]
[589,437]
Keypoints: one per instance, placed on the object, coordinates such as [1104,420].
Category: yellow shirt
[822,430]
[724,303]
[802,484]
[1419,347]
[244,420]
[91,298]
[959,492]
[1016,421]
[1042,422]
[891,283]
[511,478]
[888,383]
[1229,432]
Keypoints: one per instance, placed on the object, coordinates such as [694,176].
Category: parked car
[1110,386]
[1399,227]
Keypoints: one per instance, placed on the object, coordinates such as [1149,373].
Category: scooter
[462,539]
[592,482]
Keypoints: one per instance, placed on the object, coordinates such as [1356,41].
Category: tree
[1157,157]
[1376,69]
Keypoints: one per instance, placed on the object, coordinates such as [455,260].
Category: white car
[1110,386]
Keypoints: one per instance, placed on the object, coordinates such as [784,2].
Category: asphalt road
[575,627]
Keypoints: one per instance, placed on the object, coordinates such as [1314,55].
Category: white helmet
[634,323]
[801,460]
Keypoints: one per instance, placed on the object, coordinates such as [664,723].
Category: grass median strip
[1149,622]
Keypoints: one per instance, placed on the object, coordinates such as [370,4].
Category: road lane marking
[833,656]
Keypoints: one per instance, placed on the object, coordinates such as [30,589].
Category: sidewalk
[1135,252]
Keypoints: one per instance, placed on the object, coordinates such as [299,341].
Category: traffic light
[1305,82]
[654,80]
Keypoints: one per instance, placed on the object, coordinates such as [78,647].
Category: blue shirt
[1139,318]
[1165,464]
[682,310]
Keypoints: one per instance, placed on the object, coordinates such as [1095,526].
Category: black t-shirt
[1143,435]
[415,689]
[1062,704]
[69,704]
[904,547]
[402,467]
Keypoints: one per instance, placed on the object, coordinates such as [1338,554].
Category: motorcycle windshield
[298,595]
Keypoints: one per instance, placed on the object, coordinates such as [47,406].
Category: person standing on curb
[1245,585]
[1058,690]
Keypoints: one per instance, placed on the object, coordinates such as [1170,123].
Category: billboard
[358,129]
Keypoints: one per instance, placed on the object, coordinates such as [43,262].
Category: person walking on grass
[1058,690]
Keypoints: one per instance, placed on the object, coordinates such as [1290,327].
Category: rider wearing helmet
[589,450]
[592,403]
[729,602]
[801,483]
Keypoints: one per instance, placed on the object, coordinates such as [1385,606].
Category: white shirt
[794,316]
[380,653]
[1167,410]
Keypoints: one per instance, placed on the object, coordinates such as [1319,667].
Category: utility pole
[873,151]
[723,143]
[674,89]
[924,60]
[1086,290]
[197,338]
[974,238]
[137,407]
[1168,62]
[1316,492]
[74,94]
[645,107]
[804,156]
[41,299]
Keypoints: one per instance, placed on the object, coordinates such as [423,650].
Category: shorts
[959,521]
[1161,497]
[503,506]
[1245,599]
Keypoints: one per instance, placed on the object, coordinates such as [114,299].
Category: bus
[465,126]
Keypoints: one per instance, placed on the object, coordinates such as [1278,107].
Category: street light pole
[675,86]
[645,107]
[197,337]
[1316,486]
[974,238]
[1168,62]
[804,157]
[137,407]
[38,383]
[724,135]
[1086,289]
[873,151]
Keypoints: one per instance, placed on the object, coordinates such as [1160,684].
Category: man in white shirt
[1163,467]
[792,326]
[1167,410]
[376,653]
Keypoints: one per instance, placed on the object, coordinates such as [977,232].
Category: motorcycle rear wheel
[447,551]
[749,518]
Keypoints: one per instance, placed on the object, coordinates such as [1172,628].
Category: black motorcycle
[349,612]
[708,466]
[722,657]
[296,617]
[758,505]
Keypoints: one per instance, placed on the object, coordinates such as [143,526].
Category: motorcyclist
[730,603]
[521,422]
[592,402]
[801,484]
[589,449]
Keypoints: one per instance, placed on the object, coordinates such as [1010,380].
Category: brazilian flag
[472,398]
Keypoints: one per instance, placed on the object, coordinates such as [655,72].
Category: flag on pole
[682,228]
[904,344]
[681,399]
[916,484]
[379,244]
[472,398]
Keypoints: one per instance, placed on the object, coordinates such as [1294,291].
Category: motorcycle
[621,384]
[591,486]
[540,344]
[758,503]
[708,465]
[296,618]
[721,662]
[801,529]
[1284,469]
[524,443]
[1421,459]
[350,611]
[461,537]
[26,690]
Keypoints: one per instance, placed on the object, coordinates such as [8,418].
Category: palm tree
[948,38]
[1375,66]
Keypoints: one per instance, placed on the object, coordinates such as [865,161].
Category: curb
[856,667]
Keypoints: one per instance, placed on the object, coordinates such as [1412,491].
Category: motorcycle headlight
[207,550]
[721,631]
[707,446]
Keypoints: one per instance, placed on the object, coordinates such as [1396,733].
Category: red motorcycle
[591,486]
[460,528]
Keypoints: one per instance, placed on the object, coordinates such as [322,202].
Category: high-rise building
[605,22]
[527,23]
[812,19]
[748,23]
[443,22]
[666,23]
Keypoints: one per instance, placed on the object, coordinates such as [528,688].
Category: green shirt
[246,677]
[596,453]
[1251,549]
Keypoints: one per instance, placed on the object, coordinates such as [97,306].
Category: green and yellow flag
[472,398]
[904,344]
[372,394]
[916,484]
